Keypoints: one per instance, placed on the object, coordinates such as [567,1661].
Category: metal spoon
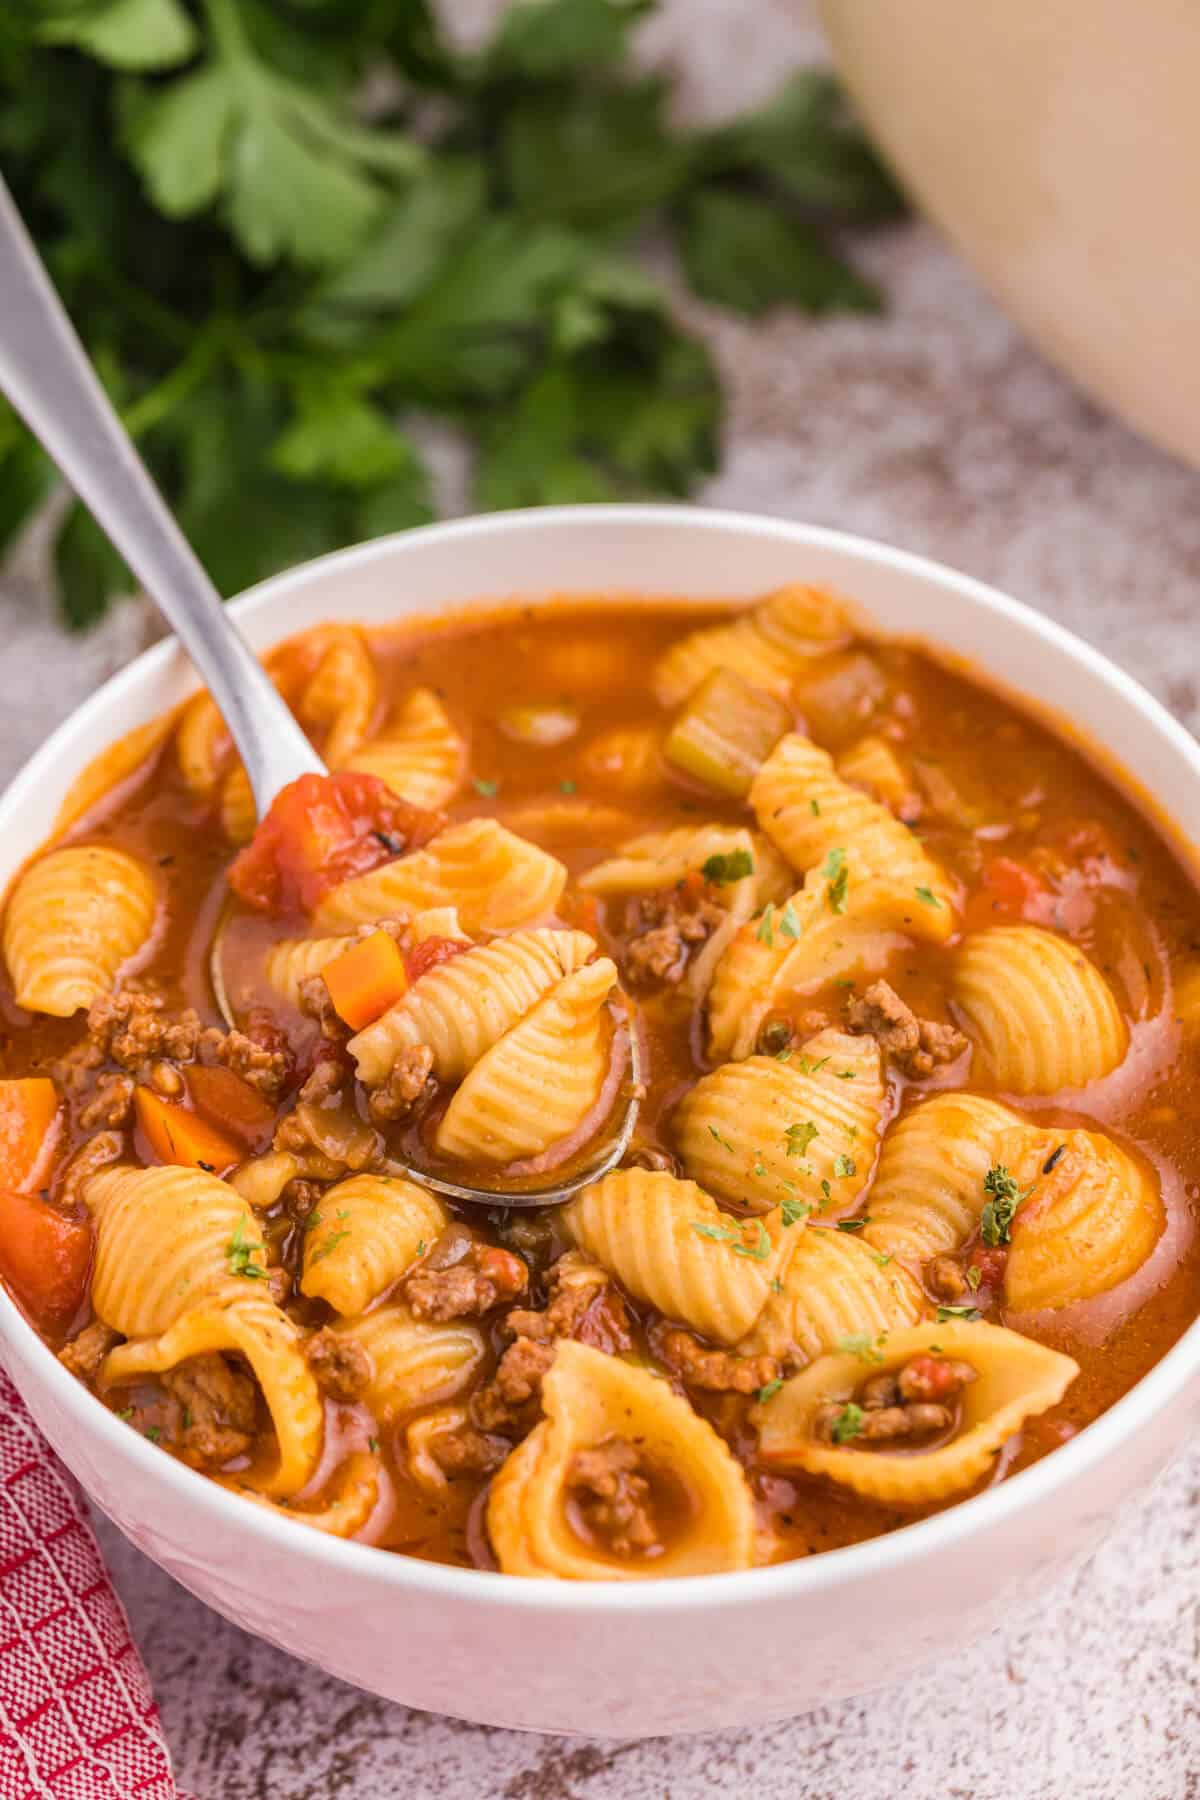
[46,374]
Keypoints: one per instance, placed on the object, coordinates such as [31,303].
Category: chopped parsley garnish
[776,1284]
[927,897]
[724,1142]
[844,1167]
[861,1344]
[807,1066]
[1004,1197]
[847,1074]
[837,875]
[373,1445]
[794,1212]
[789,924]
[848,1423]
[727,866]
[153,1432]
[882,1257]
[814,806]
[729,1234]
[486,788]
[420,1246]
[567,787]
[766,927]
[969,1313]
[771,1387]
[852,1224]
[827,1191]
[126,1412]
[799,1137]
[331,1243]
[974,1277]
[240,1252]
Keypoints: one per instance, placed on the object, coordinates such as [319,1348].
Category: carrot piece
[28,1113]
[232,1105]
[44,1258]
[176,1135]
[366,979]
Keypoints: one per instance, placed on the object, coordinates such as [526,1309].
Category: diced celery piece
[726,729]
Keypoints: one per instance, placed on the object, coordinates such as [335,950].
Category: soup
[902,988]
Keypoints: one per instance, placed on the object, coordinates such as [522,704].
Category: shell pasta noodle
[1039,1012]
[904,986]
[538,1509]
[73,920]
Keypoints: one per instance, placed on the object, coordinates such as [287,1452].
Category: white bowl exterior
[636,1658]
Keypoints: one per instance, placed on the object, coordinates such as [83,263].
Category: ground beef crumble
[664,930]
[613,1497]
[341,1366]
[916,1401]
[409,1077]
[259,1053]
[218,1409]
[915,1045]
[111,1105]
[717,1371]
[85,1353]
[481,1278]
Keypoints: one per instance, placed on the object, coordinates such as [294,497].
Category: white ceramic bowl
[633,1658]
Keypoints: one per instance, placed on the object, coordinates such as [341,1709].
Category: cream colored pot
[1056,142]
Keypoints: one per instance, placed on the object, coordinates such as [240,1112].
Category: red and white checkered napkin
[77,1717]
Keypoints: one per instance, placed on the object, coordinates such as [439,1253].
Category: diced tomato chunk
[1009,890]
[430,952]
[44,1258]
[321,830]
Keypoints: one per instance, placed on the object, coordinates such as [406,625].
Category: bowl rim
[790,1580]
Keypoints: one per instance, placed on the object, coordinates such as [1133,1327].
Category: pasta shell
[872,763]
[239,814]
[659,859]
[765,645]
[341,1514]
[497,881]
[762,1132]
[589,1399]
[461,1007]
[799,949]
[166,1238]
[807,811]
[74,920]
[365,1234]
[536,1085]
[1040,1016]
[1017,1378]
[252,1326]
[419,755]
[928,1191]
[668,1243]
[342,694]
[413,1364]
[835,1287]
[1091,1218]
[201,745]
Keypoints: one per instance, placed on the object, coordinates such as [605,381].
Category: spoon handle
[47,376]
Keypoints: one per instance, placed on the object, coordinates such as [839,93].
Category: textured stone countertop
[940,430]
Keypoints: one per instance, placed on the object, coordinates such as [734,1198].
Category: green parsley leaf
[766,929]
[126,1413]
[844,1167]
[776,1284]
[974,1277]
[153,1432]
[794,1212]
[814,807]
[373,1445]
[970,1313]
[882,1257]
[750,254]
[927,896]
[768,1388]
[807,1066]
[126,34]
[789,924]
[848,1423]
[727,866]
[799,1137]
[860,1344]
[761,1247]
[331,1243]
[847,1074]
[567,787]
[485,787]
[724,1142]
[835,872]
[718,1234]
[239,1253]
[1004,1197]
[852,1224]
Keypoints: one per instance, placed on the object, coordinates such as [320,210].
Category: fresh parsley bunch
[286,226]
